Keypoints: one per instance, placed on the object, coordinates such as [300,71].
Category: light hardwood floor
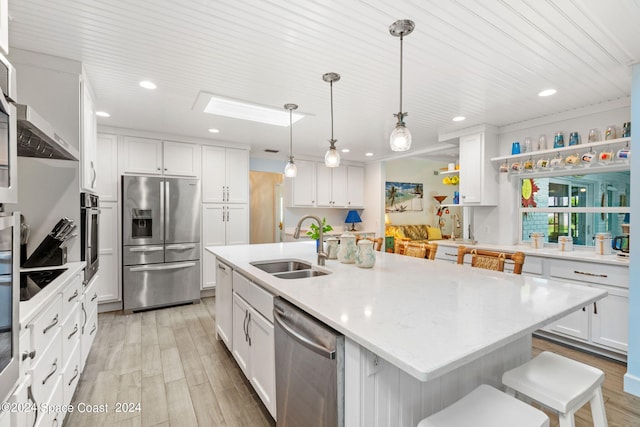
[170,362]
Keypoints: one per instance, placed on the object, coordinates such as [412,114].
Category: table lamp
[353,217]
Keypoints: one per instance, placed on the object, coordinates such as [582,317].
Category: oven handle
[163,267]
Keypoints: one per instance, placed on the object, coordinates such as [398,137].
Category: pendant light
[332,158]
[400,139]
[290,170]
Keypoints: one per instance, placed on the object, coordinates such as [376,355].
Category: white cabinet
[181,159]
[575,325]
[108,281]
[319,186]
[355,187]
[226,175]
[221,225]
[156,157]
[88,148]
[331,186]
[107,168]
[301,190]
[224,304]
[609,322]
[89,328]
[142,155]
[253,337]
[478,180]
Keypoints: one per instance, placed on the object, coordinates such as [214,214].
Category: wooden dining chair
[491,260]
[420,250]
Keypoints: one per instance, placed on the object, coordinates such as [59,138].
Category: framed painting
[403,197]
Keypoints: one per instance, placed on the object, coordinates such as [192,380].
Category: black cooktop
[32,282]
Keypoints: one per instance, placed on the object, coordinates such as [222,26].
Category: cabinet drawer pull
[55,368]
[450,254]
[586,273]
[221,267]
[53,323]
[74,296]
[28,355]
[595,308]
[93,329]
[35,404]
[75,375]
[93,298]
[75,331]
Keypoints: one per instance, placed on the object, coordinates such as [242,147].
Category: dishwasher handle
[306,341]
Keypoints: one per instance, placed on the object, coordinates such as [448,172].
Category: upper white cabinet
[225,177]
[181,159]
[156,157]
[107,167]
[319,186]
[301,190]
[4,26]
[142,155]
[355,187]
[331,188]
[89,134]
[478,182]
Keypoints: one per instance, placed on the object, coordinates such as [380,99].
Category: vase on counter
[365,256]
[347,249]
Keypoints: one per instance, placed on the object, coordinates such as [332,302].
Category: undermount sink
[300,274]
[288,269]
[281,265]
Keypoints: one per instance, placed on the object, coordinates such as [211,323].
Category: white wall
[421,171]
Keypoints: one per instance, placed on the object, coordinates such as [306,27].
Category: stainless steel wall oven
[89,232]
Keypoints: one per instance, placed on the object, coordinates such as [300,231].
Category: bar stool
[487,407]
[561,384]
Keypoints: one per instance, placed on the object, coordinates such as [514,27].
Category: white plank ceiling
[485,60]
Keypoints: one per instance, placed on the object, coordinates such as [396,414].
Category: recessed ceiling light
[547,92]
[368,154]
[147,84]
[102,114]
[345,150]
[458,118]
[244,110]
[212,130]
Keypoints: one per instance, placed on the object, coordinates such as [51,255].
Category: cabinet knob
[28,355]
[158,169]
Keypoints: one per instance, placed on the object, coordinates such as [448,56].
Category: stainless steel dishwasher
[309,370]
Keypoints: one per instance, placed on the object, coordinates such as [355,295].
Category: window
[578,206]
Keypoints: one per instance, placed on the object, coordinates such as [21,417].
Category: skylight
[237,109]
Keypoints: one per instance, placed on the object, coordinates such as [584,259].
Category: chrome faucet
[322,256]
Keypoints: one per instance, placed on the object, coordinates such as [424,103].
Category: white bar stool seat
[561,384]
[487,407]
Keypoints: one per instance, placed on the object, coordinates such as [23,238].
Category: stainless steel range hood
[36,137]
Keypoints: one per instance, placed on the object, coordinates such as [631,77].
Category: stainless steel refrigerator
[160,241]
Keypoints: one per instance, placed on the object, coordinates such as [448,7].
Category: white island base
[377,393]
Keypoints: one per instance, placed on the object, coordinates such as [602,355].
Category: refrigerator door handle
[181,247]
[167,209]
[162,209]
[163,267]
[147,249]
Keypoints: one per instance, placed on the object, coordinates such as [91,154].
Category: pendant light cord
[401,37]
[290,134]
[331,86]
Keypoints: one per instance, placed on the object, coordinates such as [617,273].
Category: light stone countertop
[29,309]
[425,317]
[548,251]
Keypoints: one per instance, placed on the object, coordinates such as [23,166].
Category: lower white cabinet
[253,338]
[575,325]
[224,317]
[108,284]
[89,328]
[609,322]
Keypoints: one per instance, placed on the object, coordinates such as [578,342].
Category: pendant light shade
[332,157]
[400,139]
[290,170]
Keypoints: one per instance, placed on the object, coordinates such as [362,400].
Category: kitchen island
[419,333]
